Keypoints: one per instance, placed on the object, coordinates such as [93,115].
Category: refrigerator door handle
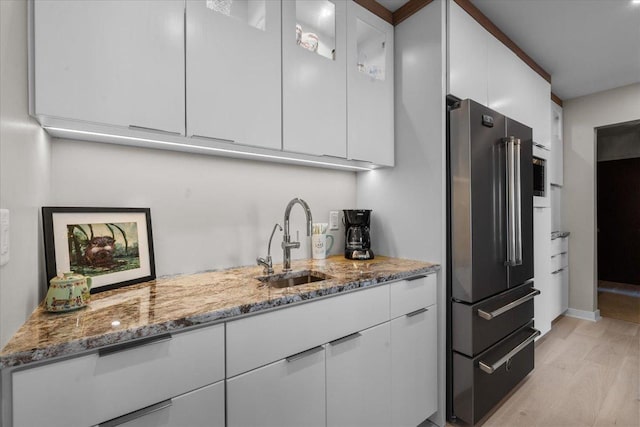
[518,203]
[514,220]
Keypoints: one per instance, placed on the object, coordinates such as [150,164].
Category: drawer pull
[345,339]
[415,313]
[167,132]
[137,414]
[495,313]
[561,253]
[558,271]
[139,343]
[411,279]
[490,369]
[305,353]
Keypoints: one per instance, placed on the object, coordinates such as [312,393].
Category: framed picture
[113,246]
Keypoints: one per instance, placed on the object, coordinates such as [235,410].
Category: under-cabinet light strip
[218,150]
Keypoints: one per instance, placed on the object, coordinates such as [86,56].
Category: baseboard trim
[592,316]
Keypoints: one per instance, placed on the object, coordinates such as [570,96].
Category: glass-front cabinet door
[234,71]
[370,87]
[314,52]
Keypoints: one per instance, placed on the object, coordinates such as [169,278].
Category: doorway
[618,220]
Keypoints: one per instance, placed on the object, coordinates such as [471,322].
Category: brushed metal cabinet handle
[137,414]
[411,279]
[210,138]
[415,313]
[136,344]
[148,129]
[490,369]
[304,354]
[495,313]
[345,339]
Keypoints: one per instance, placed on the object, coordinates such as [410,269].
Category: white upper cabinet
[369,87]
[557,172]
[468,56]
[509,83]
[482,68]
[314,91]
[233,71]
[541,122]
[113,62]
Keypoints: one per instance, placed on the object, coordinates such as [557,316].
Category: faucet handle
[266,263]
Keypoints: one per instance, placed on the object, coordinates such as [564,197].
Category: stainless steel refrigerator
[490,251]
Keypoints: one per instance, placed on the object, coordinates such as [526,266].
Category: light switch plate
[334,220]
[4,236]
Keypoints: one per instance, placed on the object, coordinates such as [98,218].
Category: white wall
[581,117]
[207,212]
[24,175]
[408,201]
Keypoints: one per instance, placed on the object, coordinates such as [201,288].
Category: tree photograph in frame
[113,246]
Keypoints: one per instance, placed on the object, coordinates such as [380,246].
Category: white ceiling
[586,45]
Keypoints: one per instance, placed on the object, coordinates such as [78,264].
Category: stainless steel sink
[293,278]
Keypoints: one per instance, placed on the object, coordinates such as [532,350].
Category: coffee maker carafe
[357,242]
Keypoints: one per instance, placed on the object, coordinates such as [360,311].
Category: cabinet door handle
[360,160]
[411,279]
[135,344]
[148,129]
[137,414]
[345,339]
[490,369]
[415,313]
[305,353]
[211,138]
[495,313]
[557,271]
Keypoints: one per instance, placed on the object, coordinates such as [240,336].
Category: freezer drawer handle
[495,313]
[137,414]
[490,369]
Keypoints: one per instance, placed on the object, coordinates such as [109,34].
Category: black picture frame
[105,262]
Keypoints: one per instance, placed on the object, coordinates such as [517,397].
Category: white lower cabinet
[200,408]
[106,385]
[414,354]
[359,379]
[360,366]
[543,312]
[289,392]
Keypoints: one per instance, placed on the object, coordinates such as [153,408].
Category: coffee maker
[357,242]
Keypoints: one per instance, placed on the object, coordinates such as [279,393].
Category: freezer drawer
[480,383]
[476,327]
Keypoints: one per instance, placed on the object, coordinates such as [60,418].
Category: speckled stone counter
[169,304]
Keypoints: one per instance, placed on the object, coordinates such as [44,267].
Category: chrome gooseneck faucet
[287,244]
[268,263]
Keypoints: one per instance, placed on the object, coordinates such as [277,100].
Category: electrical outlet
[334,220]
[4,236]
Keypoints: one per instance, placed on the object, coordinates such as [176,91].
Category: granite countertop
[169,304]
[559,234]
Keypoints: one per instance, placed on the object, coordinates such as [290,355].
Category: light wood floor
[619,301]
[586,374]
